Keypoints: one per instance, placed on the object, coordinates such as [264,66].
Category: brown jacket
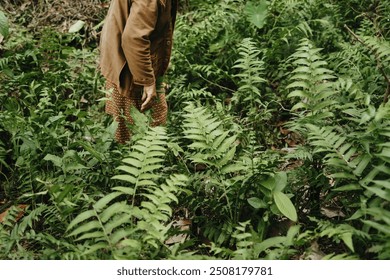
[137,33]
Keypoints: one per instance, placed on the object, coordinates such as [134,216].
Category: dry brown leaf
[332,212]
[183,225]
[22,208]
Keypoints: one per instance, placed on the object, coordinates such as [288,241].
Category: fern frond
[251,69]
[143,161]
[211,144]
[312,84]
[381,48]
[4,61]
[341,232]
[158,206]
[348,159]
[120,227]
[124,230]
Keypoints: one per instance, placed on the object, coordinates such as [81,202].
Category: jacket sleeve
[136,40]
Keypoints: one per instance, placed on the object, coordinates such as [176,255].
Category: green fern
[249,244]
[210,143]
[145,159]
[312,85]
[381,51]
[358,163]
[380,48]
[123,229]
[348,161]
[251,68]
[340,232]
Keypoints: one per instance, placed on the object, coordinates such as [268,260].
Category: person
[135,50]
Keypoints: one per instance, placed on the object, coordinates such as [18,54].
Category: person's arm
[136,45]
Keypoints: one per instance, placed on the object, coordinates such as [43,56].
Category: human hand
[147,96]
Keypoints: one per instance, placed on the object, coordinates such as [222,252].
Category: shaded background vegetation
[277,144]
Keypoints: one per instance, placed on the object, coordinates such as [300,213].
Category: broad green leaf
[364,161]
[134,160]
[165,208]
[298,93]
[146,182]
[280,181]
[300,84]
[121,234]
[74,166]
[212,126]
[152,167]
[198,146]
[285,206]
[292,232]
[141,148]
[385,153]
[299,106]
[57,161]
[344,175]
[152,198]
[257,203]
[257,13]
[155,154]
[270,183]
[358,214]
[303,69]
[150,206]
[4,27]
[219,139]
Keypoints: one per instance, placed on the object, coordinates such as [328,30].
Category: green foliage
[276,145]
[4,27]
[251,69]
[135,226]
[257,14]
[312,84]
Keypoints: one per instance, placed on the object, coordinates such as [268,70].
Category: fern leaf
[85,228]
[311,83]
[103,202]
[112,210]
[210,143]
[80,218]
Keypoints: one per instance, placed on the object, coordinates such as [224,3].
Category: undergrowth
[276,147]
